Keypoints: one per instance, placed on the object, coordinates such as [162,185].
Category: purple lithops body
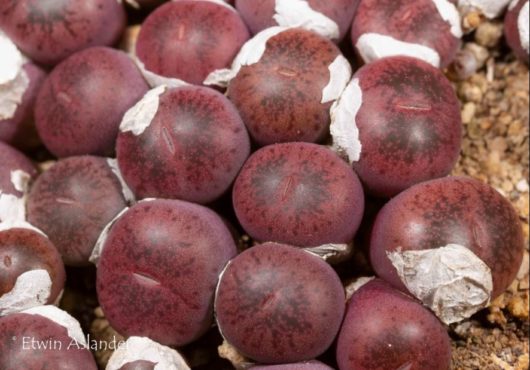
[426,29]
[299,194]
[386,329]
[408,121]
[188,39]
[516,28]
[73,201]
[43,338]
[287,95]
[311,365]
[159,268]
[31,270]
[331,18]
[186,143]
[456,222]
[49,31]
[279,304]
[80,105]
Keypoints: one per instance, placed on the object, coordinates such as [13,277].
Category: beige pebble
[468,112]
[488,34]
[522,186]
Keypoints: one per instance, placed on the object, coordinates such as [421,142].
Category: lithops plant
[402,124]
[48,31]
[331,18]
[31,270]
[184,143]
[284,82]
[426,29]
[184,41]
[43,338]
[158,270]
[74,200]
[300,194]
[279,304]
[455,243]
[80,105]
[386,329]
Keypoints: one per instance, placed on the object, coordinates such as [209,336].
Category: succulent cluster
[254,117]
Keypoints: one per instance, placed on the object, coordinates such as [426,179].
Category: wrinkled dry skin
[190,39]
[81,104]
[159,269]
[386,329]
[22,250]
[453,210]
[20,130]
[299,194]
[49,31]
[16,351]
[12,160]
[511,31]
[279,98]
[72,202]
[192,150]
[258,15]
[279,304]
[409,125]
[415,22]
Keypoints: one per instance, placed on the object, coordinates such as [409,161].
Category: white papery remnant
[14,81]
[12,60]
[138,118]
[339,75]
[490,8]
[142,348]
[20,224]
[98,247]
[332,253]
[20,180]
[156,80]
[58,299]
[132,3]
[12,208]
[12,93]
[452,281]
[32,288]
[298,13]
[374,46]
[125,190]
[61,318]
[220,2]
[249,54]
[356,285]
[147,200]
[343,128]
[450,14]
[523,26]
